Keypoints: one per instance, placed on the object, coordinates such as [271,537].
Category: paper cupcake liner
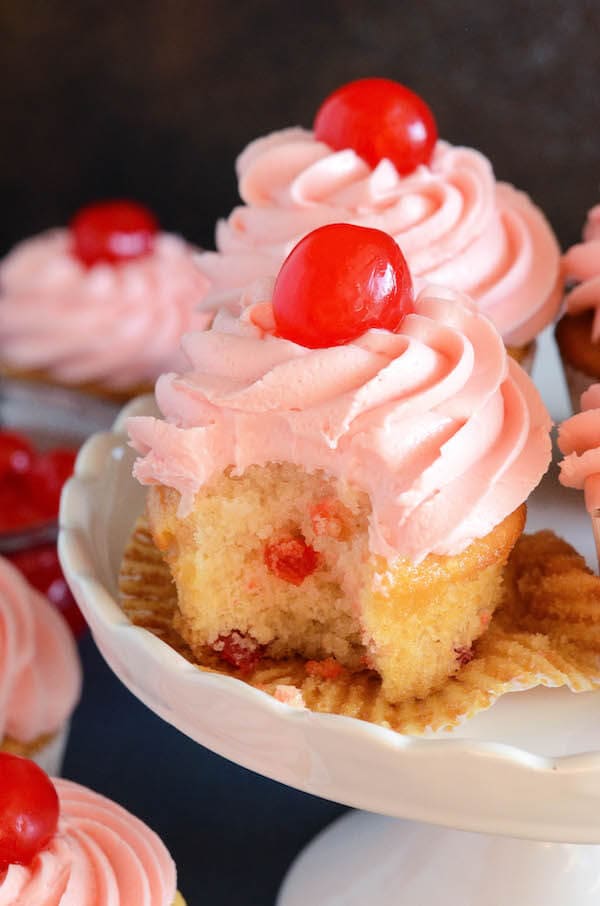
[179,901]
[577,383]
[524,355]
[547,633]
[47,751]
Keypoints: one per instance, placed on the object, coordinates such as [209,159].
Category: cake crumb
[289,695]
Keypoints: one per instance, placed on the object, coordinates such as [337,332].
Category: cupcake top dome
[373,159]
[64,845]
[432,419]
[104,301]
[40,674]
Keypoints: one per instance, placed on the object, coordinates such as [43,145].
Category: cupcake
[100,306]
[40,675]
[578,331]
[374,159]
[579,441]
[341,472]
[62,844]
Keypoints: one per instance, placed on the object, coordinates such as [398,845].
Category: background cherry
[113,231]
[339,281]
[378,118]
[29,810]
[41,567]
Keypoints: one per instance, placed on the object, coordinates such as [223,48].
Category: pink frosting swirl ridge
[40,674]
[455,224]
[118,325]
[445,433]
[579,441]
[101,855]
[582,264]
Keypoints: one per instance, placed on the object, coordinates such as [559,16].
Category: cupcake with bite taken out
[61,845]
[341,471]
[100,306]
[578,331]
[40,674]
[373,158]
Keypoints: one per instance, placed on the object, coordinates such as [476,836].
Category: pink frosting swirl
[444,432]
[117,325]
[579,441]
[582,264]
[101,855]
[40,675]
[455,224]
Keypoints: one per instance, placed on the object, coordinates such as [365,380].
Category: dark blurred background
[155,99]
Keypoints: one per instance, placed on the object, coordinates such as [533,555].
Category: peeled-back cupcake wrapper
[47,752]
[547,633]
[577,383]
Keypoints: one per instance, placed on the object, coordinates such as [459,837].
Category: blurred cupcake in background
[99,306]
[40,674]
[578,331]
[63,844]
[373,158]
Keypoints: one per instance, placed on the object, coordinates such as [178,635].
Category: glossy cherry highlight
[378,118]
[29,810]
[338,282]
[113,232]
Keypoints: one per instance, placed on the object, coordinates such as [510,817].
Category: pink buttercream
[40,675]
[455,224]
[579,441]
[445,433]
[101,855]
[582,264]
[119,325]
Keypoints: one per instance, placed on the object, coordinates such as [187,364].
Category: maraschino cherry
[113,232]
[29,810]
[378,118]
[339,281]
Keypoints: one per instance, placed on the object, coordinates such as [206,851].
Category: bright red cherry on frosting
[113,231]
[378,118]
[29,810]
[338,282]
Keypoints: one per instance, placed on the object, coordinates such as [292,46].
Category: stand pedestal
[370,860]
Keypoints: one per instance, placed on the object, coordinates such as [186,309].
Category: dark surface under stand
[232,833]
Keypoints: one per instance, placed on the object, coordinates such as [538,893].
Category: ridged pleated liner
[547,633]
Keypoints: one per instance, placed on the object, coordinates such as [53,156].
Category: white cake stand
[528,768]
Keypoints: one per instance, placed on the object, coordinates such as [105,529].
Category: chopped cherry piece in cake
[378,118]
[239,650]
[329,517]
[291,559]
[464,655]
[338,282]
[29,810]
[326,669]
[112,232]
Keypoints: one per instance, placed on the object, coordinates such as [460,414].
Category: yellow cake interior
[413,624]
